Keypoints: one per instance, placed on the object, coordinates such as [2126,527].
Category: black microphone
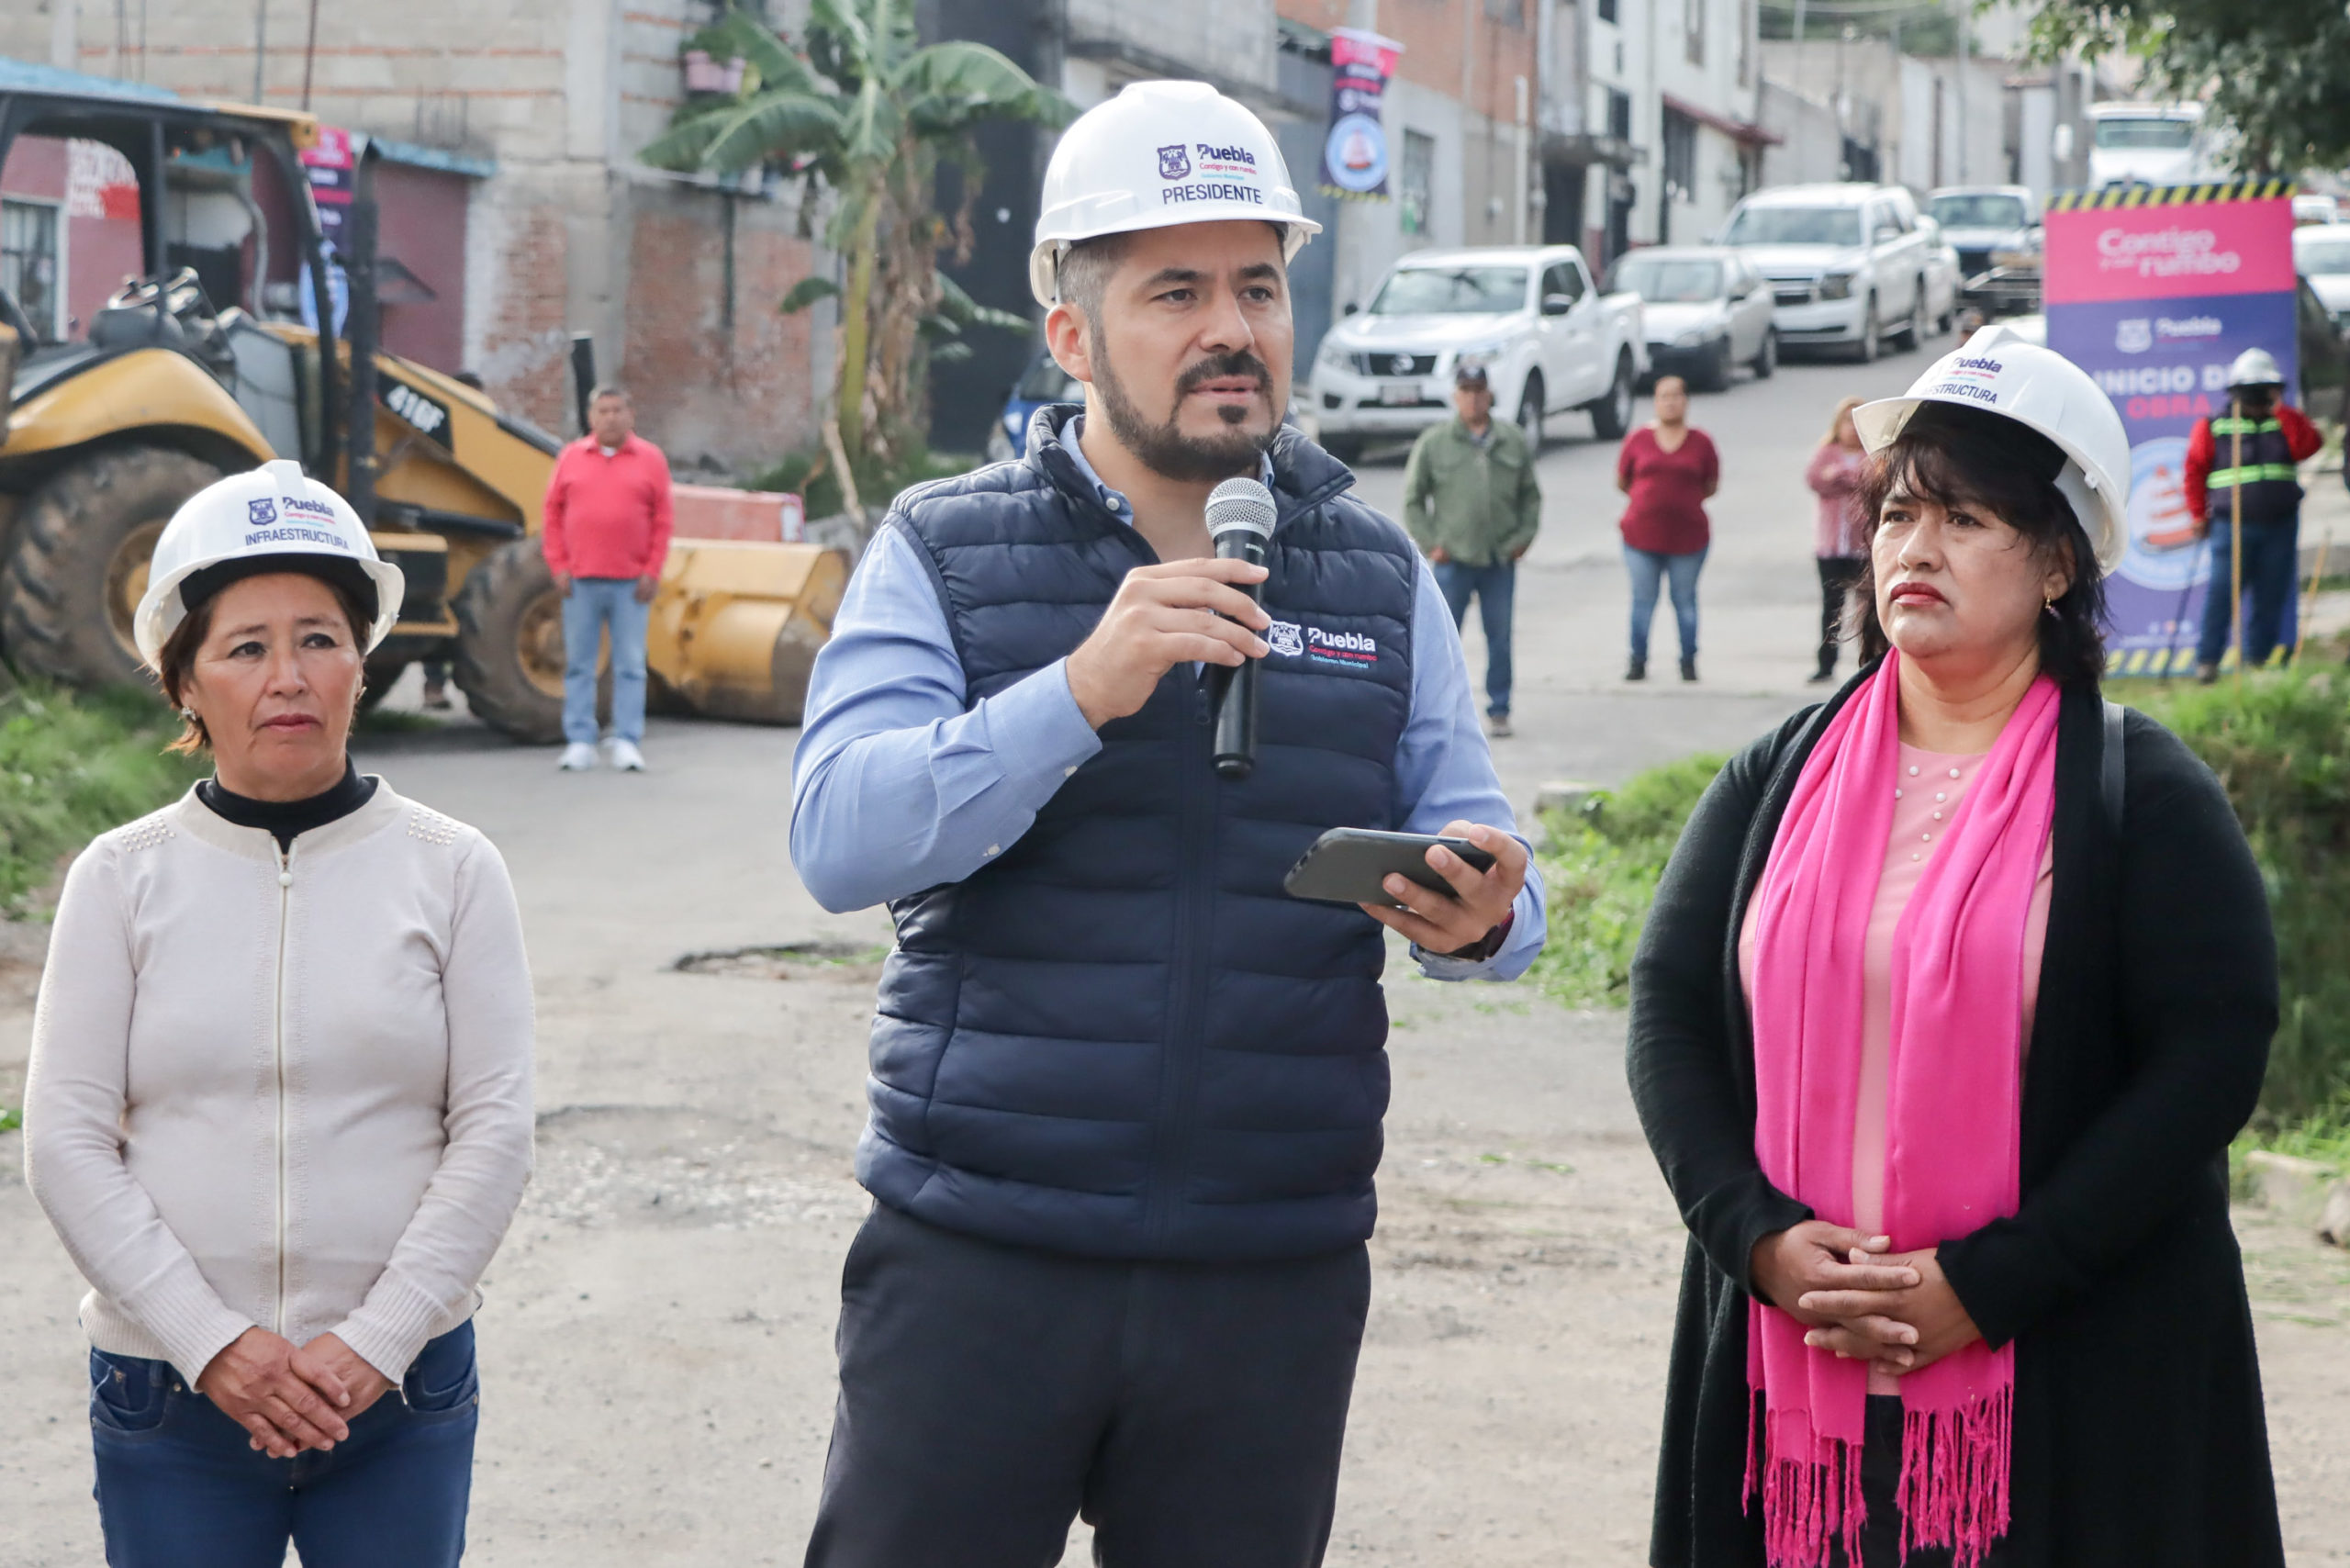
[1241,520]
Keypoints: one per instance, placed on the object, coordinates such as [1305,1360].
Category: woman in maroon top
[1668,470]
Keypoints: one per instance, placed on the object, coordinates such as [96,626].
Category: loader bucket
[737,624]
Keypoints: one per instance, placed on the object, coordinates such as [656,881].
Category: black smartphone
[1351,864]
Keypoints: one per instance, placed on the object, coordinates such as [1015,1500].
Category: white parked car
[1848,264]
[1706,309]
[1944,277]
[1550,341]
[2322,254]
[2316,206]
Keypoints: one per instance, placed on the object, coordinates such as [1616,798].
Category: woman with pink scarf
[1952,996]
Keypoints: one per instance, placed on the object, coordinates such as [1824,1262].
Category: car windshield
[1453,291]
[1796,226]
[1046,382]
[2316,258]
[1663,281]
[2151,132]
[1979,211]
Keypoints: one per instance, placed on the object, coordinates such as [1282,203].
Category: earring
[2048,606]
[189,714]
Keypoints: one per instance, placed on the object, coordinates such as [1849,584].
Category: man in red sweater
[2242,463]
[607,535]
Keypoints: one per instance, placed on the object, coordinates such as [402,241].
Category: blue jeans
[1648,568]
[2271,567]
[598,605]
[1495,588]
[178,1487]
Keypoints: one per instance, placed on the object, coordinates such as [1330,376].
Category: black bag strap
[2112,776]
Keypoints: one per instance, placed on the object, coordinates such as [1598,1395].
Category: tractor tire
[376,681]
[78,566]
[509,644]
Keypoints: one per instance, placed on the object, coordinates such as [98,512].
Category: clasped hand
[291,1397]
[1856,1296]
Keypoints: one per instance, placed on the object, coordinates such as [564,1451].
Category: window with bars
[30,268]
[1418,181]
[1620,115]
[1680,152]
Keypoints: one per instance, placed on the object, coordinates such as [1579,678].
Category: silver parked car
[1706,309]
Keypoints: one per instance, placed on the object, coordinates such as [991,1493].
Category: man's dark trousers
[1495,588]
[1193,1413]
[2272,554]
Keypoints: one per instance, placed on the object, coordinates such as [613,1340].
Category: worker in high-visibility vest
[2241,466]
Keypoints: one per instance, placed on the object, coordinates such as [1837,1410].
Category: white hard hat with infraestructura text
[1158,154]
[1998,372]
[2255,367]
[272,518]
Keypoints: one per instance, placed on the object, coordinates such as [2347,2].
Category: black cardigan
[2140,1439]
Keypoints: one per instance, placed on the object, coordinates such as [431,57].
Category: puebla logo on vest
[1351,650]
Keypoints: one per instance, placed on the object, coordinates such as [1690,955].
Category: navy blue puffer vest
[1120,1038]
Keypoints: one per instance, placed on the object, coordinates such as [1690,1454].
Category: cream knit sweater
[292,1092]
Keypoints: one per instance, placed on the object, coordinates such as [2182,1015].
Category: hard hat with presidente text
[1158,154]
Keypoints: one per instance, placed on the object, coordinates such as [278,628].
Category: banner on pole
[2154,291]
[1354,155]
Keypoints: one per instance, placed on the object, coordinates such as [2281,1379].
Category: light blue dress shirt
[898,785]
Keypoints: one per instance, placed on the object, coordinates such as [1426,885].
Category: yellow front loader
[103,437]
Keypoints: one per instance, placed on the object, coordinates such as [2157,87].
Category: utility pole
[1964,13]
[1517,221]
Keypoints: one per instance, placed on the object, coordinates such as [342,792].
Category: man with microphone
[1125,1094]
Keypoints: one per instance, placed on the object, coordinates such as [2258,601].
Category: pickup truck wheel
[1766,358]
[1913,335]
[1716,374]
[1611,417]
[1864,350]
[1529,413]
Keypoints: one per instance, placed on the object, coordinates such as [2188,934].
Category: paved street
[657,1342]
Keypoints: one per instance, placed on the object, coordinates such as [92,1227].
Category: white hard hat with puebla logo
[271,518]
[1996,372]
[1158,154]
[2255,367]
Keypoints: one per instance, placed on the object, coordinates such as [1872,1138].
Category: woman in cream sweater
[279,1104]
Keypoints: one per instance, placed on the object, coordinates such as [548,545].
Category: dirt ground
[657,1340]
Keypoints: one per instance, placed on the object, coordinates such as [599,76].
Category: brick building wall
[570,233]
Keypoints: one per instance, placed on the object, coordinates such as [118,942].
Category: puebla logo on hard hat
[1175,161]
[261,513]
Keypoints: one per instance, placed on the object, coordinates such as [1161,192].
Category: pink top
[1834,475]
[1932,785]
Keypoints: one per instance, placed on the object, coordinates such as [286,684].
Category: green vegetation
[865,119]
[1601,868]
[70,768]
[10,1118]
[878,480]
[2283,753]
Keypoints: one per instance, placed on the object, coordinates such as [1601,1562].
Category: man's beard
[1163,448]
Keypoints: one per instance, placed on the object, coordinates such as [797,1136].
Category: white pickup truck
[1550,341]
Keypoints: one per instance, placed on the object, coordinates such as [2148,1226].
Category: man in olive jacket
[1471,503]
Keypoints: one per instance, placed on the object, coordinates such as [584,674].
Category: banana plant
[864,111]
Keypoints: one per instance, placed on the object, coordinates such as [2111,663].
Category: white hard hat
[270,512]
[2255,367]
[1158,154]
[1999,372]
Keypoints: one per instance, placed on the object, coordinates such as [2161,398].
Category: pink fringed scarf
[1953,1116]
